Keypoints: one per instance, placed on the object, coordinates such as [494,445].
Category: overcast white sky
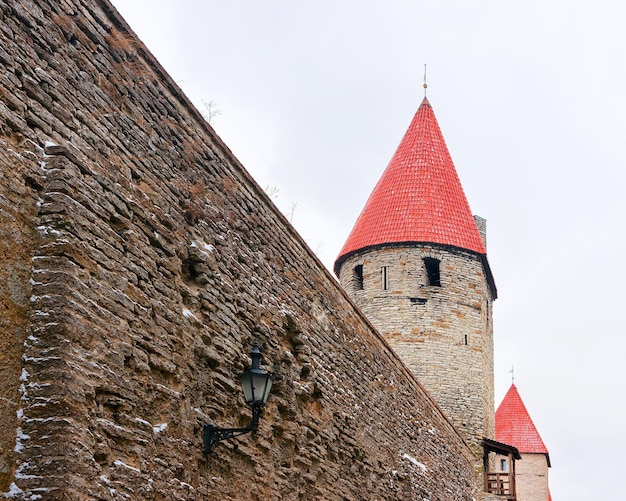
[531,98]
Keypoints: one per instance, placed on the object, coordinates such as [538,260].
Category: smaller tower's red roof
[515,427]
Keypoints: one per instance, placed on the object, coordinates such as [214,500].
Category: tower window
[432,271]
[503,465]
[465,339]
[384,277]
[358,277]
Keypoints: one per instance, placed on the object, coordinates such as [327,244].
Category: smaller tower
[515,427]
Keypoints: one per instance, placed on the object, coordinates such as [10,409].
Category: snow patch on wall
[14,491]
[188,314]
[202,245]
[158,428]
[411,459]
[122,464]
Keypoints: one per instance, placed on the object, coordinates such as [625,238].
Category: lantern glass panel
[246,385]
[256,387]
[267,389]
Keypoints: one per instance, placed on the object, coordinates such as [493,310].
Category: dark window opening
[358,277]
[384,278]
[432,271]
[418,300]
[465,339]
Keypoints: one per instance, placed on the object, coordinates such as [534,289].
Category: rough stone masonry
[138,260]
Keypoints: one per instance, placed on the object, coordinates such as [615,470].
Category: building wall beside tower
[532,478]
[441,326]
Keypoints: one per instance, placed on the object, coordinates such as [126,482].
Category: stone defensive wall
[138,260]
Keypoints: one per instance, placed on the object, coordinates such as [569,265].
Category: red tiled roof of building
[419,197]
[515,427]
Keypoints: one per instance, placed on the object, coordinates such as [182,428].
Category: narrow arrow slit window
[384,277]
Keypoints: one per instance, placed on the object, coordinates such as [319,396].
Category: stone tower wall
[138,260]
[443,333]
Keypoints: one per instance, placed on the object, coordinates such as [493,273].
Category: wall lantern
[256,385]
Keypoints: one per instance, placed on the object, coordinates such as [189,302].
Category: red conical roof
[419,197]
[515,427]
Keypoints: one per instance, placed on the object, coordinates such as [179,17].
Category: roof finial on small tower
[425,84]
[512,371]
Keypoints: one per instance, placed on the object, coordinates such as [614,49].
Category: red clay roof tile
[515,427]
[419,197]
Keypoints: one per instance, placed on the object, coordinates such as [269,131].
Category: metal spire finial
[512,371]
[425,84]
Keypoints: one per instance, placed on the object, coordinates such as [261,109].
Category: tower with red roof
[515,427]
[416,265]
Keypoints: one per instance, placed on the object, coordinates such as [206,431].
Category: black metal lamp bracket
[215,434]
